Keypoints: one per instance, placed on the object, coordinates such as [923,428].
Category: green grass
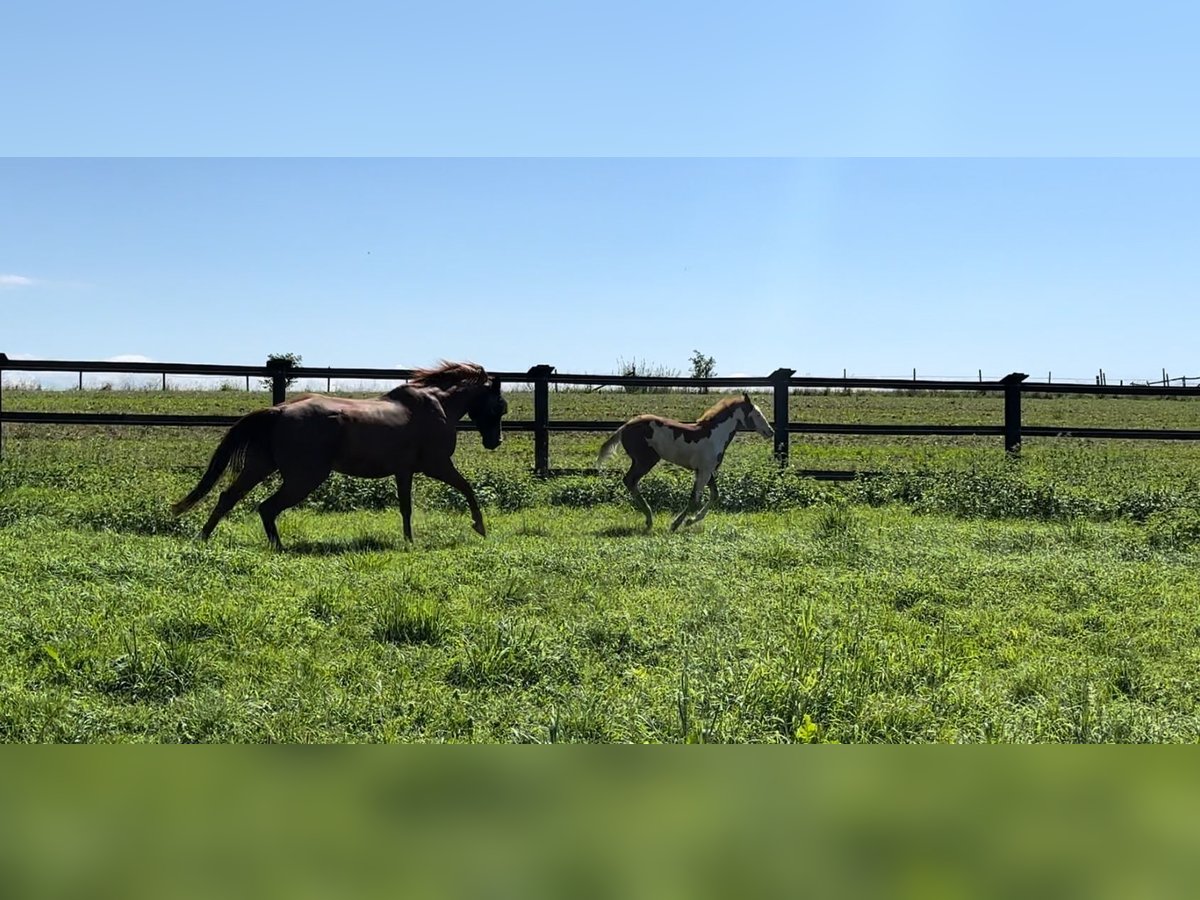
[959,596]
[835,623]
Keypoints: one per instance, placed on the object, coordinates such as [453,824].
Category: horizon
[147,379]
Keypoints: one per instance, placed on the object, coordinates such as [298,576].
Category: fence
[780,382]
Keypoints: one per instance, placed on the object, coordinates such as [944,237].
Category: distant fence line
[780,383]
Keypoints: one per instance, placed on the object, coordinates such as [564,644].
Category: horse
[700,447]
[411,428]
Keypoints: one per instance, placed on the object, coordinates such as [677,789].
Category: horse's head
[754,417]
[486,411]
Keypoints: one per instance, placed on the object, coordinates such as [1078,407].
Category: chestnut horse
[699,447]
[409,429]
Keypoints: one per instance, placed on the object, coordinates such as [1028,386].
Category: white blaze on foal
[699,447]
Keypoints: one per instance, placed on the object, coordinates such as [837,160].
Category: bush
[633,368]
[1174,529]
[582,490]
[285,360]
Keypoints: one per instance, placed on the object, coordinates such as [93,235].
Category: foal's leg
[296,486]
[447,473]
[404,494]
[712,501]
[639,467]
[702,477]
[254,471]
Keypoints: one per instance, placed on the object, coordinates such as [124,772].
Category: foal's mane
[448,375]
[722,409]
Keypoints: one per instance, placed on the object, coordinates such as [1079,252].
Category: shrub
[1173,529]
[633,368]
[285,360]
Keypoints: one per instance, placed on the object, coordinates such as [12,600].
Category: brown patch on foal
[701,430]
[713,416]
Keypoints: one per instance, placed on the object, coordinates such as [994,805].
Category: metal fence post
[279,379]
[1012,411]
[541,418]
[779,385]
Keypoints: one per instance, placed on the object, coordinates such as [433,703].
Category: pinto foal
[699,447]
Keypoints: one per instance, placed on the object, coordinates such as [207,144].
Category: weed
[406,621]
[153,670]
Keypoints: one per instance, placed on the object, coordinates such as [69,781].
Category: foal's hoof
[479,529]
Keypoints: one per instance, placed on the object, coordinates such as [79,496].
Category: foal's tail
[610,447]
[253,430]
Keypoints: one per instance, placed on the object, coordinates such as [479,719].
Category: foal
[699,447]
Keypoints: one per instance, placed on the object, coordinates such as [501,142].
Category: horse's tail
[252,430]
[610,447]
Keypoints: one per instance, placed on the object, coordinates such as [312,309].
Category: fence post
[1012,411]
[278,369]
[541,418]
[779,386]
[3,359]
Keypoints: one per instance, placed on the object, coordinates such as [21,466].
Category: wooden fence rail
[780,383]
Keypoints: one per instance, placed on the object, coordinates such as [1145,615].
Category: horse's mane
[719,410]
[448,374]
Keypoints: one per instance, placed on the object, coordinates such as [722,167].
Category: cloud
[16,281]
[129,357]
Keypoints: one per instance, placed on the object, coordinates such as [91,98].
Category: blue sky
[569,78]
[942,185]
[874,265]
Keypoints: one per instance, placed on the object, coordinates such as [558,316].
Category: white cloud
[129,357]
[16,281]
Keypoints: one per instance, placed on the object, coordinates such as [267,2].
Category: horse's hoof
[480,530]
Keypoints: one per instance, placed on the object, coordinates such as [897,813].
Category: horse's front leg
[702,476]
[448,474]
[713,499]
[404,480]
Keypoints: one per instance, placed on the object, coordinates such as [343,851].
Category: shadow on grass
[623,531]
[363,544]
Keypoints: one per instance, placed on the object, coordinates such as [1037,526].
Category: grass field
[958,596]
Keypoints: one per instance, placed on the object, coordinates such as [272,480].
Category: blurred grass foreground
[901,822]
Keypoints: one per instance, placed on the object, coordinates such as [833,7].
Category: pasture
[955,596]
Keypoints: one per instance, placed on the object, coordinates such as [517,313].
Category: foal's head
[754,417]
[485,411]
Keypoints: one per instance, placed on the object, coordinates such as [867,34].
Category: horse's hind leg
[296,486]
[254,470]
[639,467]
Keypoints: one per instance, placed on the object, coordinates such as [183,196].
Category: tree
[285,361]
[703,367]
